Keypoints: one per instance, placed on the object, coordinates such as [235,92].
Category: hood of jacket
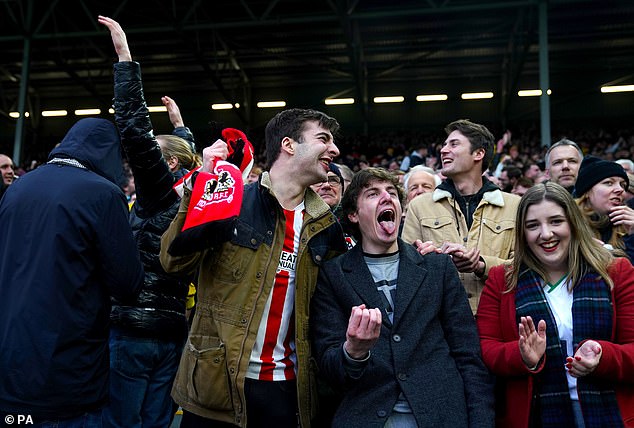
[96,144]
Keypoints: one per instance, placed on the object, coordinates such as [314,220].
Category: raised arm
[152,176]
[119,40]
[180,130]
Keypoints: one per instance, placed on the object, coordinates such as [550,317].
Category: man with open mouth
[466,216]
[385,321]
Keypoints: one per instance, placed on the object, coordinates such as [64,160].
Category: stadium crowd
[399,280]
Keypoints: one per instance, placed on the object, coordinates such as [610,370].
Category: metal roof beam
[298,20]
[202,61]
[269,9]
[354,46]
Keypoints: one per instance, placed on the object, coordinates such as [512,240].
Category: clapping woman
[557,324]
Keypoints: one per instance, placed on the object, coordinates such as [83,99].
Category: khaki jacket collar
[493,197]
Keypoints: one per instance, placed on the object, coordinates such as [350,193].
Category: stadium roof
[243,51]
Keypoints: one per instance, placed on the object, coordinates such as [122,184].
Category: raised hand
[623,215]
[217,150]
[173,111]
[364,329]
[118,38]
[532,341]
[586,359]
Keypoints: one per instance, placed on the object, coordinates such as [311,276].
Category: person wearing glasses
[331,192]
[331,189]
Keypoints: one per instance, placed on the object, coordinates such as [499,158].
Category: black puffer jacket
[159,311]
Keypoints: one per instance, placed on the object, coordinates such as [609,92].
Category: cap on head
[593,170]
[334,168]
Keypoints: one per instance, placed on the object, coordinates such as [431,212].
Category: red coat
[500,350]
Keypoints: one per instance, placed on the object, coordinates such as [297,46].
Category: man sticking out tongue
[386,320]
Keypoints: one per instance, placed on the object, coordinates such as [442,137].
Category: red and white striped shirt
[273,356]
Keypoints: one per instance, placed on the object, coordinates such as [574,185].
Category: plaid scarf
[592,319]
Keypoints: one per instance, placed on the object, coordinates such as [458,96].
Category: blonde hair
[584,253]
[177,147]
[598,222]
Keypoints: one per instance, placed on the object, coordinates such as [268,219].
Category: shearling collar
[493,197]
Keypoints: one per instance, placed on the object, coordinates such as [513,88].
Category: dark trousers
[269,404]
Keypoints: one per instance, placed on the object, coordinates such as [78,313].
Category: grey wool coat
[431,351]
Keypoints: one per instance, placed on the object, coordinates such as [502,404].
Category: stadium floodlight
[87,112]
[619,88]
[338,101]
[393,99]
[271,104]
[438,97]
[54,113]
[532,93]
[476,95]
[156,109]
[16,114]
[222,106]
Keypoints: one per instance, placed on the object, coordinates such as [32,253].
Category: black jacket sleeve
[186,134]
[152,177]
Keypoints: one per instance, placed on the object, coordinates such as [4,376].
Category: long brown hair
[584,253]
[600,221]
[177,147]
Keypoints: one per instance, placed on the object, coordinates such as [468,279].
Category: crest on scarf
[217,189]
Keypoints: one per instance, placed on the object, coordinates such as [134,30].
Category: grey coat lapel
[358,275]
[411,275]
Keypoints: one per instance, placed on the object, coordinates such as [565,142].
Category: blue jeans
[87,420]
[142,371]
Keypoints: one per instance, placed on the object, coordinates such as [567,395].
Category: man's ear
[353,218]
[288,145]
[478,154]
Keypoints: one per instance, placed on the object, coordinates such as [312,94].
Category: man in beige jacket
[467,216]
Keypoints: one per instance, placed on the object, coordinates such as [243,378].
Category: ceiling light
[532,93]
[439,97]
[237,105]
[156,109]
[111,110]
[87,112]
[269,104]
[476,95]
[16,114]
[222,106]
[395,99]
[54,113]
[620,88]
[338,101]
